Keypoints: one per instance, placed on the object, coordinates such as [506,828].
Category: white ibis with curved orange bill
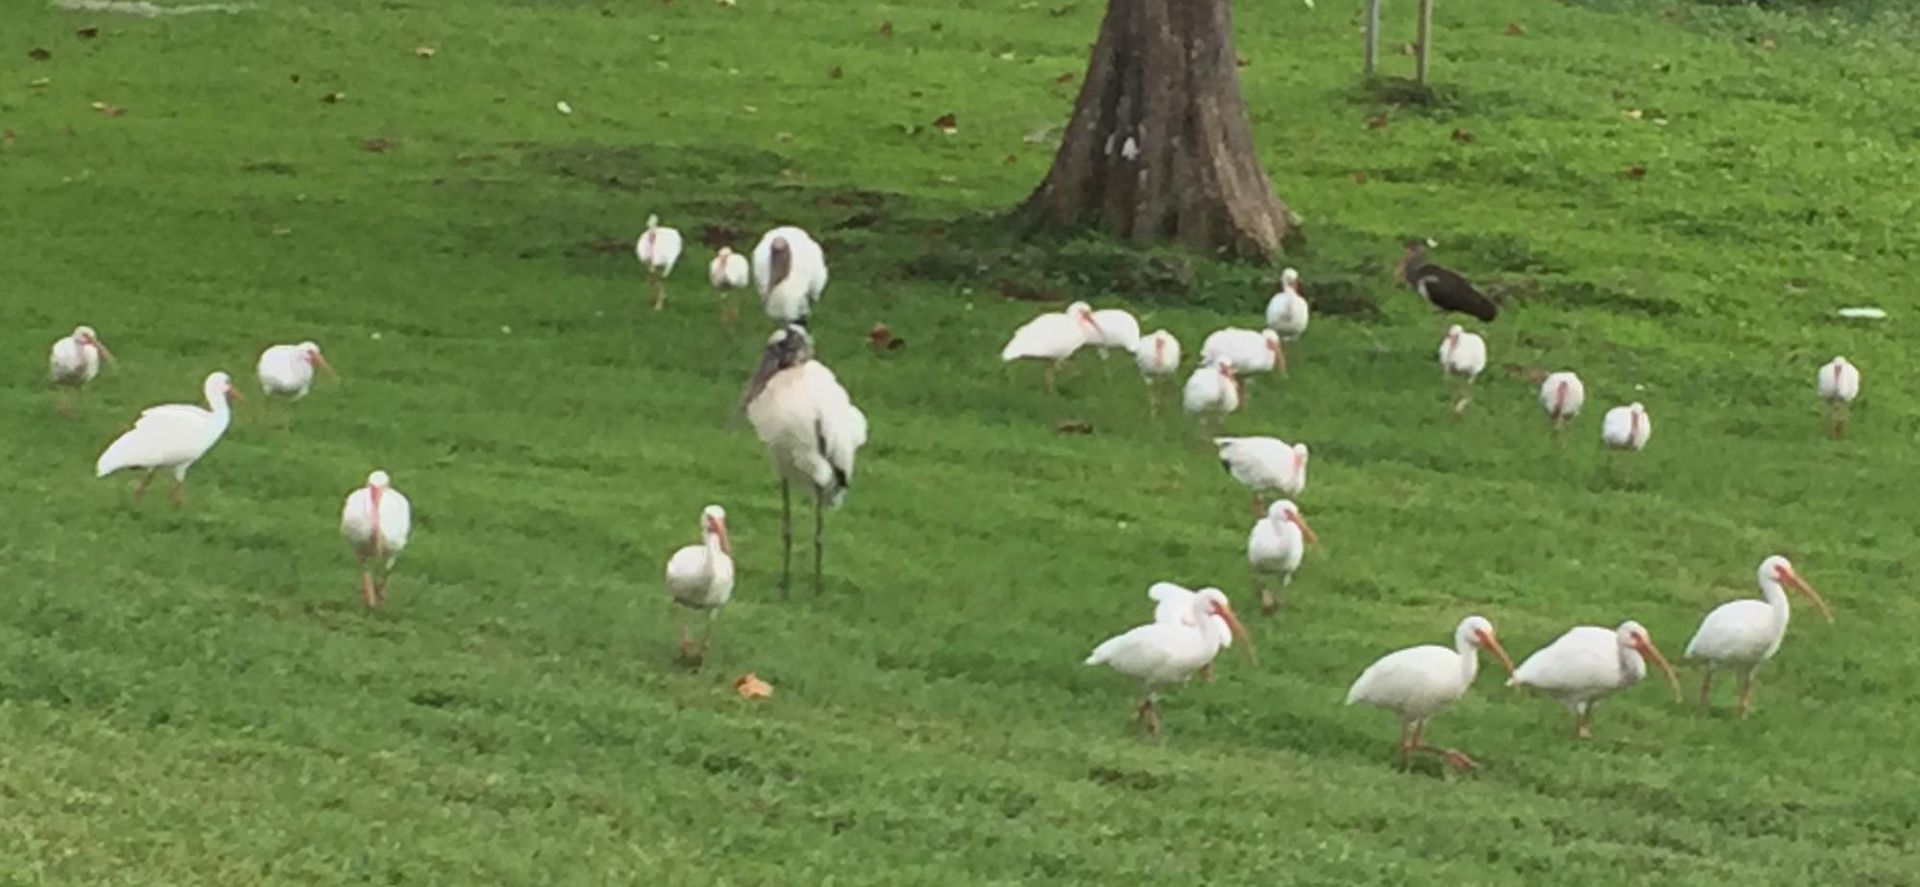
[1590,663]
[1158,357]
[1561,396]
[1740,636]
[1275,547]
[1053,337]
[700,577]
[74,361]
[1419,682]
[1160,654]
[172,436]
[1264,465]
[376,520]
[1838,384]
[658,249]
[1463,356]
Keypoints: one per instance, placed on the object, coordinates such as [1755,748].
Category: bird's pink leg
[1046,378]
[179,493]
[1153,399]
[1259,507]
[1457,758]
[659,291]
[141,489]
[1706,686]
[1407,733]
[1746,693]
[367,595]
[728,314]
[1206,673]
[1583,724]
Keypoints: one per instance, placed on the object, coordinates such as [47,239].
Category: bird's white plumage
[75,358]
[658,247]
[1163,653]
[1462,353]
[1157,354]
[1278,541]
[382,532]
[1054,335]
[172,436]
[1562,395]
[701,576]
[791,298]
[287,370]
[1265,464]
[1288,311]
[811,429]
[1627,427]
[728,270]
[1839,381]
[1419,682]
[1247,351]
[1211,390]
[1114,329]
[1743,634]
[1586,664]
[1174,603]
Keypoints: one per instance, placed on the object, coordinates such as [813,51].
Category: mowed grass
[197,696]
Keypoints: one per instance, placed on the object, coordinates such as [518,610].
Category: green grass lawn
[197,697]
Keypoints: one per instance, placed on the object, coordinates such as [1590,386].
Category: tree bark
[1158,148]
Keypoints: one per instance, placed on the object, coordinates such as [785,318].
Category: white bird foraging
[287,370]
[1590,663]
[790,269]
[1740,636]
[1159,654]
[1275,547]
[75,360]
[1053,337]
[659,250]
[1247,351]
[811,430]
[1626,428]
[1174,603]
[1158,357]
[727,272]
[376,521]
[1838,384]
[1288,311]
[1264,465]
[1561,396]
[1463,355]
[1211,393]
[172,436]
[1419,682]
[700,577]
[1114,328]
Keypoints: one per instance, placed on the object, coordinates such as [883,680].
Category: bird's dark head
[789,346]
[780,260]
[1416,252]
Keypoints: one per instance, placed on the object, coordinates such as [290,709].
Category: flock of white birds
[812,432]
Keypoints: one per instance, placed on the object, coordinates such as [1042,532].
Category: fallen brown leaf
[377,146]
[108,110]
[87,33]
[1011,160]
[1513,29]
[886,29]
[333,98]
[749,686]
[1073,426]
[1636,172]
[6,138]
[1064,78]
[946,123]
[1241,61]
[1377,121]
[1060,11]
[1463,137]
[425,52]
[834,73]
[1359,178]
[39,54]
[882,339]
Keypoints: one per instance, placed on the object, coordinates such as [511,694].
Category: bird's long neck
[1777,601]
[712,540]
[1469,661]
[1633,432]
[217,405]
[1632,667]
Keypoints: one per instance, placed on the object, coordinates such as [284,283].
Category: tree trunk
[1158,147]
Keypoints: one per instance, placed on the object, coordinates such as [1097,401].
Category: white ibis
[1264,465]
[659,250]
[287,370]
[1444,289]
[75,360]
[1626,428]
[1740,636]
[1561,396]
[1839,384]
[790,270]
[1275,546]
[811,430]
[1590,663]
[1419,682]
[376,521]
[1211,393]
[1288,311]
[1160,654]
[1054,337]
[172,436]
[1174,603]
[1114,328]
[1247,351]
[1158,357]
[1463,355]
[700,577]
[727,272]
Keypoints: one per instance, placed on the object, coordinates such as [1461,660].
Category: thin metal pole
[1423,47]
[1373,39]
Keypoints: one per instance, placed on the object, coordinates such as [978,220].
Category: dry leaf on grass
[749,686]
[946,123]
[1514,30]
[883,339]
[109,110]
[834,73]
[87,33]
[1463,137]
[886,29]
[1377,121]
[1011,160]
[1359,178]
[1073,426]
[1636,172]
[377,146]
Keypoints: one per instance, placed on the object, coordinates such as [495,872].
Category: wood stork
[790,270]
[1174,603]
[287,370]
[1740,636]
[1158,357]
[1275,547]
[172,436]
[1211,393]
[376,521]
[1247,351]
[1419,682]
[1590,663]
[1838,383]
[728,272]
[811,430]
[1444,289]
[1053,337]
[1561,396]
[1160,654]
[1626,428]
[700,577]
[1264,465]
[74,361]
[659,250]
[1463,356]
[1288,311]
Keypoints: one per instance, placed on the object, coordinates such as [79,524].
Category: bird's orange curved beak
[234,393]
[1087,317]
[1789,577]
[95,342]
[373,502]
[321,362]
[1313,538]
[719,528]
[1492,645]
[1647,649]
[1239,631]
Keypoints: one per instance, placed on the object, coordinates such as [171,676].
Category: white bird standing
[1626,428]
[1463,355]
[1211,393]
[75,360]
[727,272]
[1174,603]
[376,521]
[1419,682]
[659,250]
[1288,311]
[1275,547]
[1159,654]
[1054,337]
[700,577]
[1114,328]
[1838,383]
[1158,357]
[172,436]
[1590,663]
[790,270]
[287,370]
[1561,396]
[1247,351]
[811,430]
[1740,636]
[1264,465]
